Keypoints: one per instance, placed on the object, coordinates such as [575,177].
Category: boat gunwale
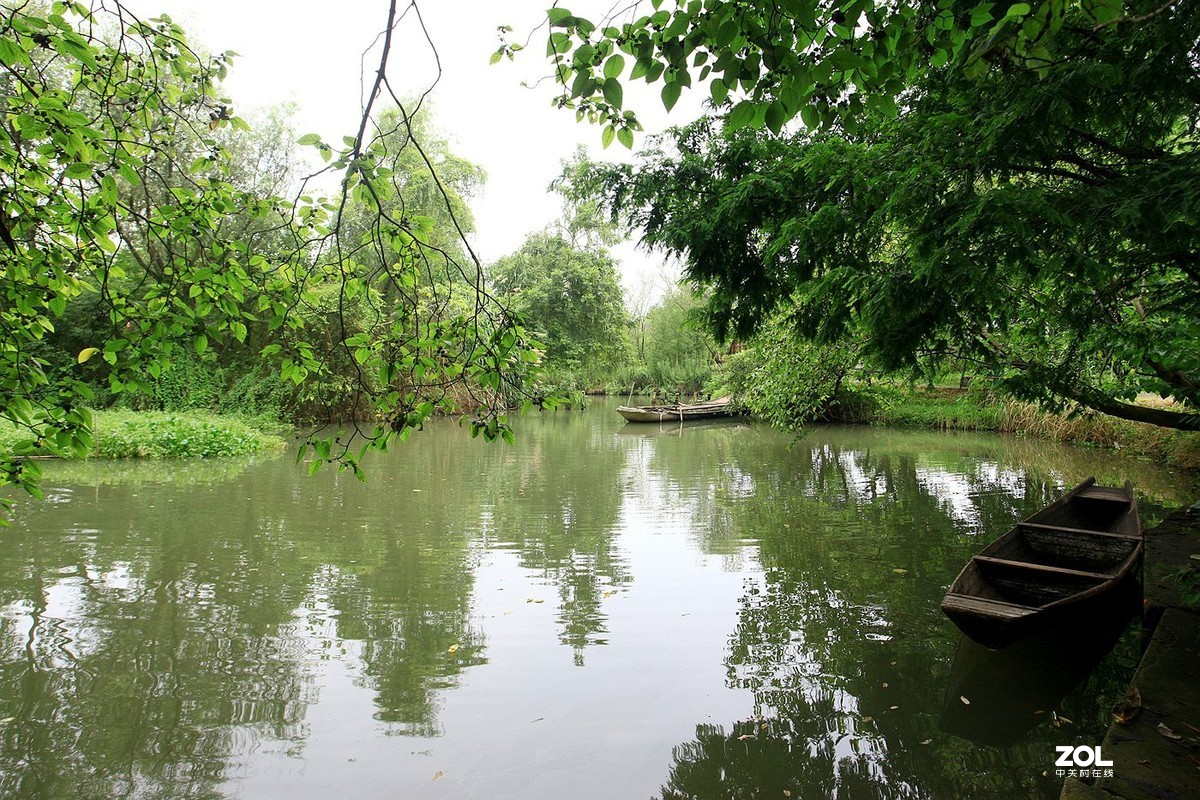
[1106,582]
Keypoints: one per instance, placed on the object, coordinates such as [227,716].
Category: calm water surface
[601,611]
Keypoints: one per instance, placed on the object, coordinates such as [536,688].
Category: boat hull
[673,413]
[1060,565]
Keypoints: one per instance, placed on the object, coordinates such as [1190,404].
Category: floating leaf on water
[966,702]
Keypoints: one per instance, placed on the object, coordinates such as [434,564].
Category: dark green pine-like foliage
[1038,218]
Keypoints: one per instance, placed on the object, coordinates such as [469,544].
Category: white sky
[311,53]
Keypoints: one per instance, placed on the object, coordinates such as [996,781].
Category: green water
[600,611]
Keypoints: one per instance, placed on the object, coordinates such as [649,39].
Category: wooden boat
[1063,561]
[677,413]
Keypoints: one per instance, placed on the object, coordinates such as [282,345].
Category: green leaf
[740,116]
[776,117]
[670,95]
[86,353]
[613,92]
[309,139]
[625,137]
[11,54]
[614,66]
[606,138]
[719,91]
[78,170]
[559,17]
[201,344]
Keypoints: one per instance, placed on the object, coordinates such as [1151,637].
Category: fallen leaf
[787,793]
[453,649]
[868,719]
[966,702]
[438,776]
[1039,712]
[894,663]
[899,571]
[746,736]
[1170,734]
[1144,762]
[1126,709]
[884,684]
[893,708]
[927,741]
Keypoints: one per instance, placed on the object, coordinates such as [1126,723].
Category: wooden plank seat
[1040,527]
[1044,568]
[1109,494]
[981,605]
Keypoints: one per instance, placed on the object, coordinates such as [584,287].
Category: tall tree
[572,297]
[1033,209]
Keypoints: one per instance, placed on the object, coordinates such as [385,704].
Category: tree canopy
[571,295]
[121,190]
[1030,202]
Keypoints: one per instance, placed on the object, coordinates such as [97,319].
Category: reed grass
[987,411]
[158,434]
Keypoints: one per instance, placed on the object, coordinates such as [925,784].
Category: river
[600,611]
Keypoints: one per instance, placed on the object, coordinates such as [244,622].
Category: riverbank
[984,410]
[161,434]
[1154,746]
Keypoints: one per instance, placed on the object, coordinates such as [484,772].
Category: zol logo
[1081,756]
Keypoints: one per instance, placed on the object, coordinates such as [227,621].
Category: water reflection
[553,619]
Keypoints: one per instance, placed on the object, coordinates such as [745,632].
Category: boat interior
[1096,508]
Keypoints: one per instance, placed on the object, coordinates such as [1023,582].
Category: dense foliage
[1033,212]
[671,351]
[129,215]
[571,296]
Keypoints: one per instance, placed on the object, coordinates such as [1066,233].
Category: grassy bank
[158,434]
[979,410]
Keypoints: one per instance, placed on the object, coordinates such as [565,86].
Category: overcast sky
[312,54]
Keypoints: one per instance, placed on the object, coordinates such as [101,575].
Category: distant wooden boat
[1064,560]
[677,413]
